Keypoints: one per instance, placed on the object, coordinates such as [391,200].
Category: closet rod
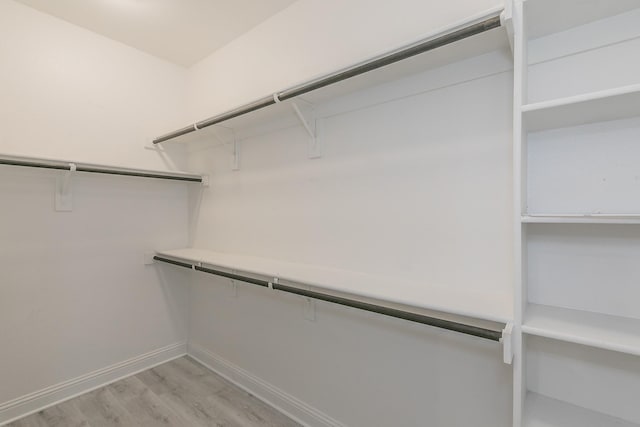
[356,70]
[490,334]
[61,165]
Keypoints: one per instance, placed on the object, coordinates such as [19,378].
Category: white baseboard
[34,402]
[273,396]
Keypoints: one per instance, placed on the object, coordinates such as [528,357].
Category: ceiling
[181,31]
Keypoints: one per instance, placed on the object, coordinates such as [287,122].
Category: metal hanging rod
[78,167]
[356,70]
[489,334]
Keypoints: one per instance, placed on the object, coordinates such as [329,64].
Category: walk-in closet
[322,213]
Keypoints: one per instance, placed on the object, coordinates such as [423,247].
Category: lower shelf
[542,411]
[614,333]
[474,303]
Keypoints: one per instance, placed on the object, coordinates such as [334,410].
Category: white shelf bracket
[227,136]
[506,19]
[64,190]
[234,285]
[310,309]
[236,156]
[148,258]
[310,124]
[507,343]
[235,144]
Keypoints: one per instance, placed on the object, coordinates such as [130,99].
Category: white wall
[75,295]
[311,38]
[70,94]
[417,189]
[358,368]
[403,189]
[416,186]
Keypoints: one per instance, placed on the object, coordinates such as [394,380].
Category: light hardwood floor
[178,393]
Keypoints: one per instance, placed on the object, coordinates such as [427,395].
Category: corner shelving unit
[576,126]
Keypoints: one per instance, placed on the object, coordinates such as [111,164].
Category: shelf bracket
[148,258]
[64,190]
[506,19]
[236,155]
[310,125]
[229,139]
[507,343]
[234,285]
[310,309]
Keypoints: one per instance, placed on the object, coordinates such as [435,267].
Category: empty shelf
[613,104]
[542,411]
[477,305]
[581,219]
[614,333]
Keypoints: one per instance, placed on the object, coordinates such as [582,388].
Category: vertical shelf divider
[519,188]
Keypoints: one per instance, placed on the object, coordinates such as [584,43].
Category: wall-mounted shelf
[546,17]
[223,265]
[64,165]
[581,219]
[613,104]
[423,296]
[614,333]
[542,411]
[481,34]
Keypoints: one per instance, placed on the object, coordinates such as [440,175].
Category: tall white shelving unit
[576,134]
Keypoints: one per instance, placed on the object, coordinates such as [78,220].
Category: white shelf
[581,219]
[612,104]
[546,17]
[542,411]
[488,41]
[476,305]
[614,333]
[58,164]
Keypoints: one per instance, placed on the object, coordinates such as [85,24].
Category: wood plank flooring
[179,393]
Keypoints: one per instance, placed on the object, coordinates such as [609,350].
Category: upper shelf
[481,34]
[614,333]
[474,304]
[612,104]
[546,17]
[95,168]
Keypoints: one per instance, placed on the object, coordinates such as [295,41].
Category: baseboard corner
[49,396]
[287,404]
